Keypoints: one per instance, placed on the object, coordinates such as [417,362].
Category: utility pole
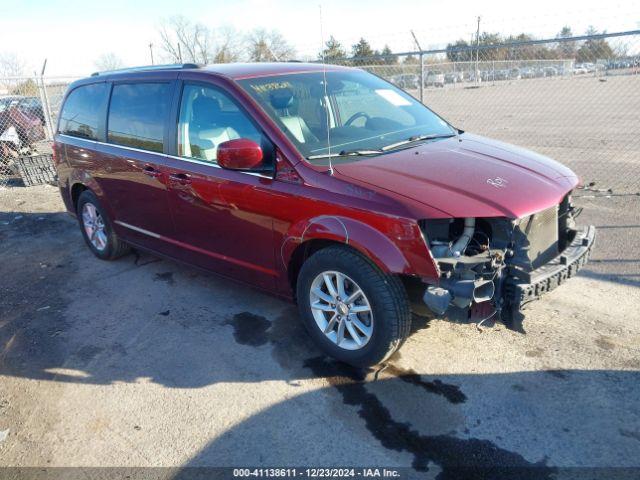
[151,51]
[477,49]
[179,54]
[415,39]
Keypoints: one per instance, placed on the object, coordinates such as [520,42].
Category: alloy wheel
[94,226]
[341,310]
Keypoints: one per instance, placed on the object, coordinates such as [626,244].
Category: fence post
[46,107]
[422,79]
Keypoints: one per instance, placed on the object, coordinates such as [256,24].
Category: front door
[222,218]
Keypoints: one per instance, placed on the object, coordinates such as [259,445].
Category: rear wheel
[353,311]
[97,229]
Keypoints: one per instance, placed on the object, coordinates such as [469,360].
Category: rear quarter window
[137,115]
[83,110]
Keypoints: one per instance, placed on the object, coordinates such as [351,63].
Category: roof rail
[146,68]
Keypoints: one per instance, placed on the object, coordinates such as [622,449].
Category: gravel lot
[145,362]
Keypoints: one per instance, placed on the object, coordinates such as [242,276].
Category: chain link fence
[575,99]
[29,108]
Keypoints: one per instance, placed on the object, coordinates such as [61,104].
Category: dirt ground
[145,362]
[589,123]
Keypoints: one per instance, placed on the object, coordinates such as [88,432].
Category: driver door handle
[180,178]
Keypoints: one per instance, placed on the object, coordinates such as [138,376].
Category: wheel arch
[307,238]
[80,181]
[76,190]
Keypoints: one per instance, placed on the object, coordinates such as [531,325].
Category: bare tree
[185,41]
[108,61]
[268,46]
[11,65]
[228,45]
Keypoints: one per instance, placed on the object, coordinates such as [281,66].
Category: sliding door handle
[151,171]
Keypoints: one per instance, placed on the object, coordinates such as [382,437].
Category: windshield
[365,114]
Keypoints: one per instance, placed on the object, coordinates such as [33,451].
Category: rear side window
[137,115]
[83,110]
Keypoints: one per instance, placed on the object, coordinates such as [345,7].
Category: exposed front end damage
[494,266]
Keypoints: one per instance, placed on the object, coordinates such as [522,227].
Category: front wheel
[354,312]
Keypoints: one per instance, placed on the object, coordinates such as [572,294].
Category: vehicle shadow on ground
[68,317]
[524,425]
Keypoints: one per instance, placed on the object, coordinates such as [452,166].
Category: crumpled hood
[470,177]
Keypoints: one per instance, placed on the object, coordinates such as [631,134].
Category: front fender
[395,245]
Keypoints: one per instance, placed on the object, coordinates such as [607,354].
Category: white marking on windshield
[394,98]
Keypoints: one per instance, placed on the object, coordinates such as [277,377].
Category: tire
[111,247]
[389,312]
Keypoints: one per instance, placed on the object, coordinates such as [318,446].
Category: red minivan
[326,186]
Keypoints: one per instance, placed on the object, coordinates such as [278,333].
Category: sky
[72,34]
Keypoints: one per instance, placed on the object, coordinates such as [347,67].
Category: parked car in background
[476,76]
[499,74]
[550,71]
[408,81]
[579,69]
[359,211]
[453,77]
[30,105]
[20,128]
[515,74]
[394,79]
[434,78]
[527,73]
[538,72]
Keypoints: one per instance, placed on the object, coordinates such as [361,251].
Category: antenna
[326,96]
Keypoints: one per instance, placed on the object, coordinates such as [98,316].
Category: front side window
[355,113]
[137,115]
[208,117]
[82,111]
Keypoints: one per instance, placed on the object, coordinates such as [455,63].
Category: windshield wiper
[386,148]
[362,152]
[346,153]
[416,138]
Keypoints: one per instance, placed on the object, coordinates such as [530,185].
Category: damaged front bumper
[513,283]
[521,287]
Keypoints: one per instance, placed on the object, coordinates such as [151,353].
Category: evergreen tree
[333,50]
[362,49]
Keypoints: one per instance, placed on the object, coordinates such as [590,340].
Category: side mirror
[239,154]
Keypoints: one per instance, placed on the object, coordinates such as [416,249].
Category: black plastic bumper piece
[555,272]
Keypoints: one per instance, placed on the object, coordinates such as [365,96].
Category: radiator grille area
[541,232]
